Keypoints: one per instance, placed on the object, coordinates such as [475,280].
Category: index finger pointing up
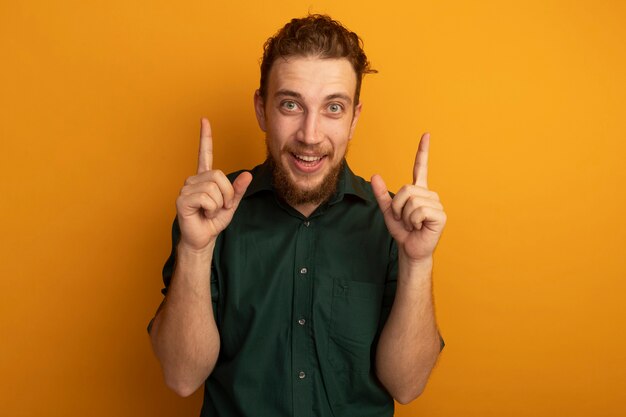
[420,169]
[205,154]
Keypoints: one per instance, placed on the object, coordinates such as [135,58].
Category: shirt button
[307,223]
[301,322]
[301,375]
[304,271]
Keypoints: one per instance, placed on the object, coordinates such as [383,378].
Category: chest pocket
[355,312]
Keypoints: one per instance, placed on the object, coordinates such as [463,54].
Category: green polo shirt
[300,303]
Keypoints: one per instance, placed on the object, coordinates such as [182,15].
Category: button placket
[303,362]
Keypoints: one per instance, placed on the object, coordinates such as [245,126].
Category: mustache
[299,148]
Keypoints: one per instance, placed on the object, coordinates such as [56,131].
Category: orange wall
[526,101]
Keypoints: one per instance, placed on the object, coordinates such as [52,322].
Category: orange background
[99,119]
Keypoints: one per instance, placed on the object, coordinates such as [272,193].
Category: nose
[309,130]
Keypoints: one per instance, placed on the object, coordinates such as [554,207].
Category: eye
[335,108]
[289,105]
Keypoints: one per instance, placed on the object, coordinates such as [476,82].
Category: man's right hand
[208,200]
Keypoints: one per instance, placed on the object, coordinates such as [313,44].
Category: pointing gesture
[420,168]
[205,154]
[207,201]
[414,217]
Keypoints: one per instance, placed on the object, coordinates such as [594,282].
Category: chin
[300,187]
[307,188]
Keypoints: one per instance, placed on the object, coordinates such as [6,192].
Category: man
[299,289]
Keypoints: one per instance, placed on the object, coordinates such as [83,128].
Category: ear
[259,109]
[355,118]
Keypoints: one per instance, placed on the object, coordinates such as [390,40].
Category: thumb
[381,193]
[240,185]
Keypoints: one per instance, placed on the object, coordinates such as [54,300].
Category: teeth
[309,158]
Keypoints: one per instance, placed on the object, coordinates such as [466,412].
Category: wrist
[185,251]
[415,274]
[423,264]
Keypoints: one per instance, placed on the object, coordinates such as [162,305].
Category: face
[309,116]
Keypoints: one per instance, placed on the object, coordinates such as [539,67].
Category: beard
[295,195]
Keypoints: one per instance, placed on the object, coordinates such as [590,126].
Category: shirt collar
[349,183]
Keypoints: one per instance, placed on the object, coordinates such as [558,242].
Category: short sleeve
[389,292]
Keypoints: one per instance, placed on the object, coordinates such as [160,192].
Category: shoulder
[261,178]
[355,185]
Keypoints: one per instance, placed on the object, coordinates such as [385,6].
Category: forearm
[409,343]
[184,333]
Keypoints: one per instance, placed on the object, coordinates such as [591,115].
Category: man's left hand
[414,217]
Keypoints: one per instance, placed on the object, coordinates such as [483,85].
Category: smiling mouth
[308,163]
[308,158]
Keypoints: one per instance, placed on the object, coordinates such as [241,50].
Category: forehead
[312,76]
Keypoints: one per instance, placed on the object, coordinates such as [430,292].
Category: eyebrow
[294,94]
[287,93]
